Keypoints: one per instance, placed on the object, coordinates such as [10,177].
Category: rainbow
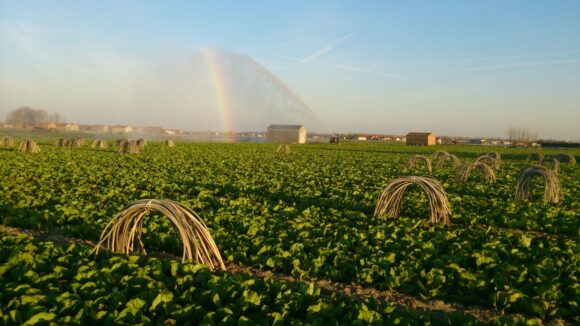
[220,91]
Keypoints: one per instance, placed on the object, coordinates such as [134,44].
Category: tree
[55,117]
[27,117]
[521,136]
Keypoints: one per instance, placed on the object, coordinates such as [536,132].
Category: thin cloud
[346,67]
[518,65]
[517,56]
[327,48]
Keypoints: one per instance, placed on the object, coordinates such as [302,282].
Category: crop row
[308,214]
[46,282]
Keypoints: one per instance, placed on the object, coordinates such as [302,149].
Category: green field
[307,215]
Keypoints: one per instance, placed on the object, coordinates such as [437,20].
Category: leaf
[251,297]
[163,297]
[525,241]
[136,304]
[216,300]
[391,257]
[42,316]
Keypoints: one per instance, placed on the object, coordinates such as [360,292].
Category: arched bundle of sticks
[7,142]
[427,162]
[198,245]
[283,149]
[491,161]
[77,142]
[120,142]
[99,144]
[495,155]
[436,155]
[442,159]
[141,143]
[127,147]
[465,171]
[61,142]
[552,187]
[28,146]
[391,198]
[169,143]
[538,155]
[568,158]
[555,163]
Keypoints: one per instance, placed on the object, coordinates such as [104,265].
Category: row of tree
[24,117]
[521,136]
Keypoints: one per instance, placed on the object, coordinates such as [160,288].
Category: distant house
[153,130]
[287,134]
[121,129]
[169,132]
[45,125]
[67,127]
[476,141]
[420,138]
[95,128]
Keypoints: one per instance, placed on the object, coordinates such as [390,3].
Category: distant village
[273,132]
[28,119]
[37,120]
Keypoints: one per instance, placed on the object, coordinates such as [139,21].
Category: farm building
[420,138]
[68,127]
[45,125]
[287,134]
[95,128]
[121,129]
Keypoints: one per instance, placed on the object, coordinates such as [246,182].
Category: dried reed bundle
[99,144]
[77,142]
[535,156]
[495,155]
[465,171]
[120,142]
[61,142]
[568,158]
[127,147]
[119,234]
[169,143]
[552,187]
[491,161]
[422,158]
[7,142]
[141,143]
[440,163]
[28,146]
[555,163]
[436,155]
[391,198]
[283,149]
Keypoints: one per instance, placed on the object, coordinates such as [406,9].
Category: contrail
[328,47]
[366,71]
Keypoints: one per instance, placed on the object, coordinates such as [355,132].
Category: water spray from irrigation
[252,85]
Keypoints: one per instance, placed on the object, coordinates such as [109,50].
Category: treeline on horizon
[28,117]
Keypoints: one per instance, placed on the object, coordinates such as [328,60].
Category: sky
[461,68]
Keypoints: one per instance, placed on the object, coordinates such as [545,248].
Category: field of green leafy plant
[307,214]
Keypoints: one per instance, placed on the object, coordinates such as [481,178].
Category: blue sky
[451,67]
